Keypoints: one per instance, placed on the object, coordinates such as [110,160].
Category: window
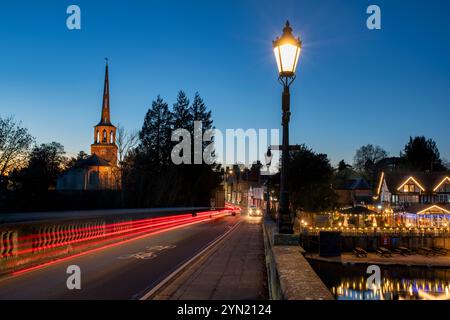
[98,137]
[426,199]
[444,188]
[408,199]
[444,198]
[93,178]
[104,136]
[410,187]
[111,137]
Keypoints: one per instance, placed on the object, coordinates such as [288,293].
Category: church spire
[104,145]
[106,117]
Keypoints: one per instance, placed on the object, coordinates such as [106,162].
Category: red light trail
[95,238]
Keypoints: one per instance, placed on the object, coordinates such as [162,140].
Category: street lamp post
[287,52]
[268,163]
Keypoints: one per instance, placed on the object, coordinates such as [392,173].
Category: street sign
[291,147]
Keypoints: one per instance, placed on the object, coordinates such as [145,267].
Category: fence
[370,241]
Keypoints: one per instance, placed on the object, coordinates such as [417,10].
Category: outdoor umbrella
[345,224]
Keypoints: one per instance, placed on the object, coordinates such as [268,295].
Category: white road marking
[148,253]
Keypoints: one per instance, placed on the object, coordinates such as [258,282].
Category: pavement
[124,271]
[395,259]
[234,269]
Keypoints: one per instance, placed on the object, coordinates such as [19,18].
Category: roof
[358,210]
[104,124]
[391,162]
[429,208]
[354,184]
[428,180]
[364,199]
[92,161]
[105,119]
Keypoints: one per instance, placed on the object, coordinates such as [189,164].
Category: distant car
[254,211]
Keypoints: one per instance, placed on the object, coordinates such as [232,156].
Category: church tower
[104,145]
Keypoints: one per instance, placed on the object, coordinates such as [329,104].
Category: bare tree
[366,159]
[367,156]
[126,141]
[15,142]
[446,163]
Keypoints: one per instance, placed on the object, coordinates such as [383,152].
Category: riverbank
[394,260]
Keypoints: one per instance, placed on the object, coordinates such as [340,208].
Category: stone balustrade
[24,244]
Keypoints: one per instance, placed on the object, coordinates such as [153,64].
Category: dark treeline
[28,171]
[310,176]
[313,180]
[418,154]
[150,178]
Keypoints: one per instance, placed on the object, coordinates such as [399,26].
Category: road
[27,217]
[125,271]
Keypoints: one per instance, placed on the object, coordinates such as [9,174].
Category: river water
[348,282]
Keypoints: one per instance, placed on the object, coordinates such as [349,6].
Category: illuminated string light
[379,186]
[429,209]
[441,183]
[411,179]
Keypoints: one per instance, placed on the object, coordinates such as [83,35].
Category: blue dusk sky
[354,86]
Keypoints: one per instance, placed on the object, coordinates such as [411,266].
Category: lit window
[444,198]
[444,188]
[408,188]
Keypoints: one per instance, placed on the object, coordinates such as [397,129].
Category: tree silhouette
[47,161]
[343,165]
[182,117]
[15,142]
[310,178]
[150,177]
[422,154]
[366,159]
[200,112]
[155,135]
[126,141]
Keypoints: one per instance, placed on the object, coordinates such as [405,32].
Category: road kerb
[171,277]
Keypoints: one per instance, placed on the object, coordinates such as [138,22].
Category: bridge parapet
[290,276]
[25,244]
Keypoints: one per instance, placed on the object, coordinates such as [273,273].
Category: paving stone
[234,270]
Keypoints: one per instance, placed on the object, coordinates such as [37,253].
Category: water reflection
[397,283]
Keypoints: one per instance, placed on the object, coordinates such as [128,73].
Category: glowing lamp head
[287,52]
